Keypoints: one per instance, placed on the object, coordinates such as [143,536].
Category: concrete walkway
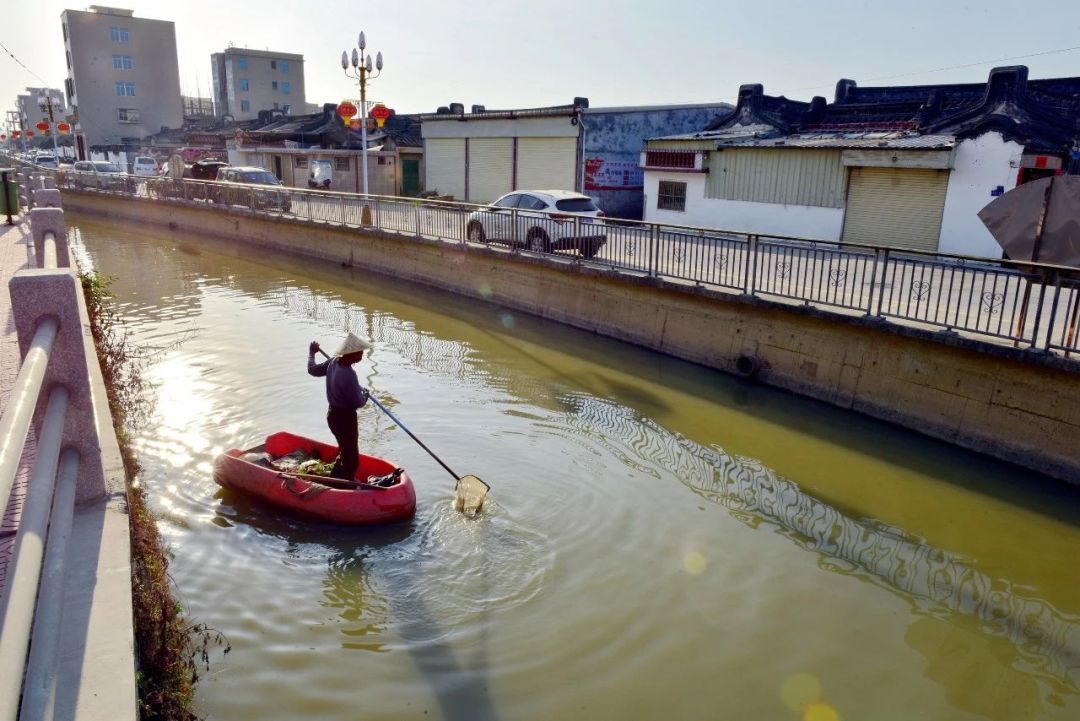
[15,250]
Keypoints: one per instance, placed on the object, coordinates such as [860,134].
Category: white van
[145,166]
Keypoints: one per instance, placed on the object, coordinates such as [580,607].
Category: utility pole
[48,102]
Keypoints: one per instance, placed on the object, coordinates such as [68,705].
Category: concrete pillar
[36,294]
[43,220]
[47,198]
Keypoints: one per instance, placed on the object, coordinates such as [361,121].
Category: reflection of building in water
[1045,642]
[423,350]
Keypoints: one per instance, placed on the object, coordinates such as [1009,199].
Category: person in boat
[344,396]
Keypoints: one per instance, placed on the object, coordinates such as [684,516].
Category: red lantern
[346,109]
[64,128]
[3,137]
[29,133]
[380,112]
[42,126]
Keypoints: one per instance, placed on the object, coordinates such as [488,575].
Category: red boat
[381,492]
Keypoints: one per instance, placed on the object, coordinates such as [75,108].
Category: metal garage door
[491,168]
[900,207]
[444,163]
[547,163]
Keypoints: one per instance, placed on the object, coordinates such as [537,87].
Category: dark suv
[240,186]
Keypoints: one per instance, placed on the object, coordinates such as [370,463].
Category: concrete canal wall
[1013,405]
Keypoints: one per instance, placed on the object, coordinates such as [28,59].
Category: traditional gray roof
[759,137]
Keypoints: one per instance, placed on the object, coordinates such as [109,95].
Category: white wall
[472,127]
[740,215]
[980,165]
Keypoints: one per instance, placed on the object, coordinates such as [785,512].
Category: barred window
[341,163]
[301,162]
[671,196]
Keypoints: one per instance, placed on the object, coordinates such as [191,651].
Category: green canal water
[661,541]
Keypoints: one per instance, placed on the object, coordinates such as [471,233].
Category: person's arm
[358,392]
[313,368]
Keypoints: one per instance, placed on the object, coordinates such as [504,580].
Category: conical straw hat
[352,344]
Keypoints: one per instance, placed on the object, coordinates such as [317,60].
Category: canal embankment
[1014,405]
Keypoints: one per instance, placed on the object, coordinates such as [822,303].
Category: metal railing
[1033,305]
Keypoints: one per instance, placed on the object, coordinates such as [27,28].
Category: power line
[44,83]
[954,67]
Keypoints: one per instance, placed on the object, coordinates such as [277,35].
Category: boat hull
[365,504]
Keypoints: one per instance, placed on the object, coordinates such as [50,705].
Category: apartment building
[247,81]
[33,105]
[123,77]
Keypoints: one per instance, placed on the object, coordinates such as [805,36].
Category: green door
[410,177]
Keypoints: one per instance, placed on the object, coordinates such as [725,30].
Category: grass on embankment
[170,649]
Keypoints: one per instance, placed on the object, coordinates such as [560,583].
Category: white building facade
[879,166]
[123,78]
[249,81]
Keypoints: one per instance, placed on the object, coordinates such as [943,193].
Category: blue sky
[544,52]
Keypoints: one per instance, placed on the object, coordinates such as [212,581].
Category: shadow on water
[459,685]
[967,621]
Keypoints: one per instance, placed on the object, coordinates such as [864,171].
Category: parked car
[100,174]
[145,166]
[46,160]
[542,221]
[243,186]
[321,174]
[204,169]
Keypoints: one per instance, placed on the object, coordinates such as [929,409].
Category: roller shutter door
[547,163]
[444,163]
[491,168]
[900,207]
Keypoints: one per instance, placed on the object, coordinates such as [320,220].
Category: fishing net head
[469,495]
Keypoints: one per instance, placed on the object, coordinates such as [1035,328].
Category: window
[273,84]
[118,34]
[68,53]
[285,87]
[241,63]
[127,115]
[64,27]
[122,62]
[284,67]
[341,163]
[243,84]
[276,106]
[301,162]
[245,106]
[531,202]
[510,201]
[125,90]
[671,196]
[273,64]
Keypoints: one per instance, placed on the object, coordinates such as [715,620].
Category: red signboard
[42,126]
[346,110]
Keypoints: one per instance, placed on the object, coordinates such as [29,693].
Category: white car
[46,160]
[145,167]
[542,221]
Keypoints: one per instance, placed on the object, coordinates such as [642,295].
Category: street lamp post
[43,102]
[362,71]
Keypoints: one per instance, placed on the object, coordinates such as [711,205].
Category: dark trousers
[342,423]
